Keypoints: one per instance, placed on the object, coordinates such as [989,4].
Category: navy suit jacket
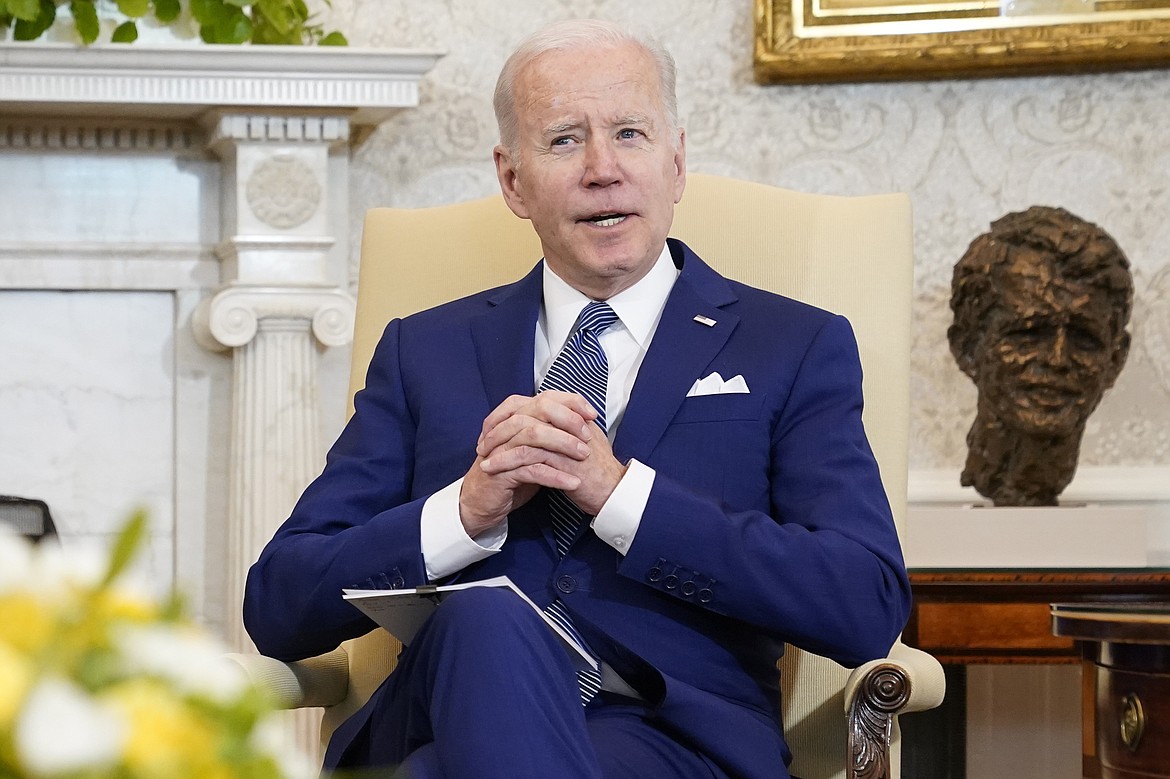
[767,522]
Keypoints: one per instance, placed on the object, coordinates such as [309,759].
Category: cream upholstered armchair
[849,255]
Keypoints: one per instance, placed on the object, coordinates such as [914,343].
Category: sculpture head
[1040,304]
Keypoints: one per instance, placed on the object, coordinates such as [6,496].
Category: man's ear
[1117,359]
[680,166]
[509,181]
[962,349]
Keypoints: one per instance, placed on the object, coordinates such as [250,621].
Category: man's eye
[628,134]
[1030,332]
[1085,339]
[564,140]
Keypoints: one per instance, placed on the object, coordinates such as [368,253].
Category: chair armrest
[876,693]
[317,681]
[907,680]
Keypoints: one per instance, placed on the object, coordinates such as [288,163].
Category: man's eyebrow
[561,127]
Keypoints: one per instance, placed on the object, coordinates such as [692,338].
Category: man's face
[596,167]
[1049,352]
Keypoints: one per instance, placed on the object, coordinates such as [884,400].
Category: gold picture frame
[811,41]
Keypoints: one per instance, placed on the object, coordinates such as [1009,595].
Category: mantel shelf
[182,82]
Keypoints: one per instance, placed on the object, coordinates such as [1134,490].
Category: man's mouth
[1051,394]
[607,220]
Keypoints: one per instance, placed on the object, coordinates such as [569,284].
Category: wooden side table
[967,616]
[977,616]
[1126,648]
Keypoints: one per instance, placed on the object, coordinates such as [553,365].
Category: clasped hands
[548,440]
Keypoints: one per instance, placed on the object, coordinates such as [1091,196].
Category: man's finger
[525,431]
[564,410]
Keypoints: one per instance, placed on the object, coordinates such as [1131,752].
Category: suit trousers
[486,690]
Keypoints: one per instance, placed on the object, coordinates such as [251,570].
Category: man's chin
[1046,424]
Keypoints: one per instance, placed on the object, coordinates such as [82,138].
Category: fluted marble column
[283,184]
[284,204]
[275,442]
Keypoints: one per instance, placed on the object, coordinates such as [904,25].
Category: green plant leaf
[167,11]
[85,18]
[126,32]
[265,34]
[209,12]
[135,9]
[126,545]
[220,21]
[31,29]
[236,28]
[278,13]
[25,10]
[174,607]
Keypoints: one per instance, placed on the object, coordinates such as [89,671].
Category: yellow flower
[114,605]
[26,624]
[15,679]
[167,737]
[100,679]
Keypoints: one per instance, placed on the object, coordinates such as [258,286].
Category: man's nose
[601,165]
[1058,352]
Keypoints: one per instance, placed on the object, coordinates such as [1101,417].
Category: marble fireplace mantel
[217,175]
[178,82]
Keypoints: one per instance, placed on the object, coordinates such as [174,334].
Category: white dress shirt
[446,547]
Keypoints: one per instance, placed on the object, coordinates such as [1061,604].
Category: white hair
[571,34]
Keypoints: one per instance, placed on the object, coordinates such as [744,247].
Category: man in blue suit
[731,502]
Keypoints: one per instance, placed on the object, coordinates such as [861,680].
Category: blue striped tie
[581,367]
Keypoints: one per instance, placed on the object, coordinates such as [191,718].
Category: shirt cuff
[446,547]
[619,518]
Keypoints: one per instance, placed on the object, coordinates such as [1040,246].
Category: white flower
[82,564]
[15,560]
[191,660]
[272,736]
[158,699]
[62,729]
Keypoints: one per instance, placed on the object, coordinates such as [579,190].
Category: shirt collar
[638,307]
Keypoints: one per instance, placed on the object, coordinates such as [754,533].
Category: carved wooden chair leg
[883,693]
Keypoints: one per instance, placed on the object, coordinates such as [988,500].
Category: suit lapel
[504,335]
[679,353]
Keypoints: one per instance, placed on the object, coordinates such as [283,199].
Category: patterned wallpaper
[967,152]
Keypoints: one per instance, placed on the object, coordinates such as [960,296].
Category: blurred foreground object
[99,680]
[1041,303]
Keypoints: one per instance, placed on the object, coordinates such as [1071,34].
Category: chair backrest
[851,255]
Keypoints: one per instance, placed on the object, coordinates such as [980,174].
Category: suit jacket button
[654,574]
[566,584]
[688,588]
[704,595]
[670,582]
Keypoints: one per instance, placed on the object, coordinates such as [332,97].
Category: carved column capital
[227,127]
[232,317]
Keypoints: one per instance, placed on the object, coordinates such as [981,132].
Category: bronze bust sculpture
[1040,304]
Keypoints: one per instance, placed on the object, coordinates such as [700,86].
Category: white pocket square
[715,385]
